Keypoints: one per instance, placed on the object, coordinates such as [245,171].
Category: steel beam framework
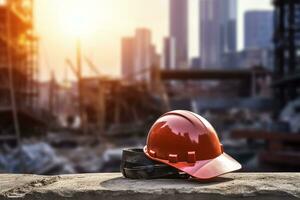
[287,52]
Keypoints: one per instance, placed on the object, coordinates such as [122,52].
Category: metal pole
[80,89]
[12,88]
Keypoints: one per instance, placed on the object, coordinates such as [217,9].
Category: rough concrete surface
[114,186]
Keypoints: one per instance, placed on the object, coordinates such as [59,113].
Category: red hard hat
[188,142]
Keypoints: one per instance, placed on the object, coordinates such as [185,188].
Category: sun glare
[78,17]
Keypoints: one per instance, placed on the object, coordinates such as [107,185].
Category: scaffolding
[287,48]
[18,51]
[18,65]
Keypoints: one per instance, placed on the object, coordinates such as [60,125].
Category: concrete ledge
[114,186]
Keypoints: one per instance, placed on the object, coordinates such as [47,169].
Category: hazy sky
[108,21]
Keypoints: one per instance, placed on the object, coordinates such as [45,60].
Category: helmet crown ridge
[182,136]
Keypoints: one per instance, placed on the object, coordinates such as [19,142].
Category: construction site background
[82,126]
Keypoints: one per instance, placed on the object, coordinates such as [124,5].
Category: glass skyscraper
[258,29]
[218,31]
[179,30]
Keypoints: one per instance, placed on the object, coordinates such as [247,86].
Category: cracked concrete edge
[22,190]
[113,186]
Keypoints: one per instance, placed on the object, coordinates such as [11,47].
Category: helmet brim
[205,169]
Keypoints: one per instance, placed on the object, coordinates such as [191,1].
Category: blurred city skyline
[101,43]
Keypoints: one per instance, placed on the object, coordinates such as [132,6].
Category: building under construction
[18,47]
[281,140]
[287,58]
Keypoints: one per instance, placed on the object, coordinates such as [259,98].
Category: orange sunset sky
[102,23]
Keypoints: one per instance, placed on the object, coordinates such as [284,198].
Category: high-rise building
[155,57]
[138,55]
[142,53]
[127,58]
[179,30]
[169,53]
[218,30]
[258,28]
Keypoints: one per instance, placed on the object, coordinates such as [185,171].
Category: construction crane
[72,67]
[92,66]
[101,100]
